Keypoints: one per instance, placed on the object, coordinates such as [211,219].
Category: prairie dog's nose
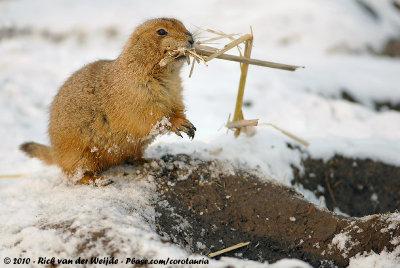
[191,41]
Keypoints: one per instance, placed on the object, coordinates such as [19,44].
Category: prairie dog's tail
[33,149]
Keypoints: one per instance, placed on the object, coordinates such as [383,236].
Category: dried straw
[178,52]
[211,255]
[242,123]
[254,122]
[207,51]
[227,47]
[290,135]
[13,176]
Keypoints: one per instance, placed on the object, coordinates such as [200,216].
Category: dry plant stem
[242,123]
[192,68]
[211,255]
[254,122]
[13,176]
[222,35]
[305,143]
[196,56]
[181,51]
[242,83]
[229,46]
[207,51]
[229,36]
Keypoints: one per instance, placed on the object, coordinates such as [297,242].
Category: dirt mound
[206,206]
[358,187]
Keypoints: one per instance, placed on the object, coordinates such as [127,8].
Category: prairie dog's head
[157,36]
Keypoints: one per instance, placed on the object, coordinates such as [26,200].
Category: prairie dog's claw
[177,132]
[186,126]
[191,131]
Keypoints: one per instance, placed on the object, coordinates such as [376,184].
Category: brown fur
[103,114]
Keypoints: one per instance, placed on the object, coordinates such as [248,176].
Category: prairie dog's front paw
[179,125]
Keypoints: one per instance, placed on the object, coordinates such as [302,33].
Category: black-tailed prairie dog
[107,112]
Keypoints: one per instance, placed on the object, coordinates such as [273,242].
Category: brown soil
[358,187]
[208,206]
[396,5]
[392,48]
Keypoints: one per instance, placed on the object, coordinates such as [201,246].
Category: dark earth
[206,206]
[358,187]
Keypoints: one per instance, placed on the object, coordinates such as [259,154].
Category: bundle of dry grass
[182,51]
[178,52]
[203,53]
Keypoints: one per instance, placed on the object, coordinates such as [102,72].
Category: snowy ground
[43,42]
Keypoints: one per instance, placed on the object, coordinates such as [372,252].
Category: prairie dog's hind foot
[96,180]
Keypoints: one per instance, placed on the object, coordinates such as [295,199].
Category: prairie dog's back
[80,100]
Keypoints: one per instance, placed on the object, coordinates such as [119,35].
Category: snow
[340,241]
[64,217]
[382,260]
[158,129]
[333,39]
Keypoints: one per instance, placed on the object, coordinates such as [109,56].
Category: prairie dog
[109,111]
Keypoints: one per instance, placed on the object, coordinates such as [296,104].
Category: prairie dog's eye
[162,32]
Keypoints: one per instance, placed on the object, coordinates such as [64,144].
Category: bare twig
[211,255]
[243,77]
[254,122]
[13,176]
[242,123]
[220,36]
[229,46]
[305,143]
[206,51]
[238,113]
[192,68]
[22,175]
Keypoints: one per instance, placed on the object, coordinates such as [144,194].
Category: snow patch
[340,241]
[381,260]
[161,127]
